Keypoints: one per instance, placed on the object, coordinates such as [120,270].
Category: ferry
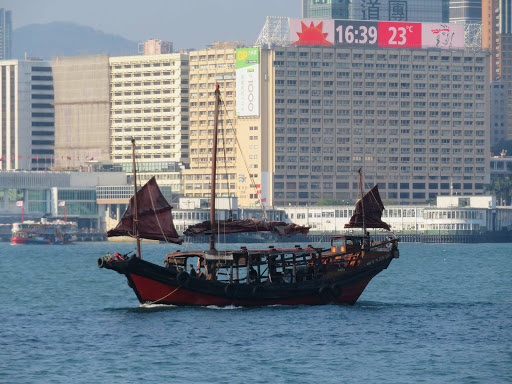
[44,232]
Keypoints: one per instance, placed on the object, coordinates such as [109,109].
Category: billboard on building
[383,34]
[247,82]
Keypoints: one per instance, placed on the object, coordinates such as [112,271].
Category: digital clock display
[355,33]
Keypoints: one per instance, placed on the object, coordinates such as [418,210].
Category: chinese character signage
[384,34]
[397,10]
[247,82]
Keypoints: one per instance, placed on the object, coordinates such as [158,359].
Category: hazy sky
[188,23]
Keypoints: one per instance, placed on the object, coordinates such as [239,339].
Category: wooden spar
[135,208]
[214,169]
[362,202]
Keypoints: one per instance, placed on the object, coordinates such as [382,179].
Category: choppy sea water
[438,314]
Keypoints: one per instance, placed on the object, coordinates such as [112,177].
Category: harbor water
[441,313]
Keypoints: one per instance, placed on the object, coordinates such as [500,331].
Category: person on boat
[390,243]
[253,275]
[192,271]
[200,274]
[288,277]
[170,266]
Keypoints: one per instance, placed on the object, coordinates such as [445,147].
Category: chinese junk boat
[248,277]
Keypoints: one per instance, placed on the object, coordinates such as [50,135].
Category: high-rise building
[239,155]
[27,115]
[149,101]
[82,110]
[393,10]
[466,11]
[497,40]
[326,9]
[5,34]
[415,121]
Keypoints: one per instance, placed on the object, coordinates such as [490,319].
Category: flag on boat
[19,203]
[62,204]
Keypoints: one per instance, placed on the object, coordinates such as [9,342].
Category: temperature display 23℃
[399,35]
[356,33]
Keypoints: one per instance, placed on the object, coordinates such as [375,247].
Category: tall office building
[26,115]
[149,101]
[416,122]
[5,34]
[497,40]
[466,11]
[394,10]
[82,110]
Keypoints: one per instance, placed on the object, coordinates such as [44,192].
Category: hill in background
[67,39]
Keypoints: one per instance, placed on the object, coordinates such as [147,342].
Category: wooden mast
[135,208]
[362,200]
[214,169]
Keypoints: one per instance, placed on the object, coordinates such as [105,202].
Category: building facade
[325,9]
[497,40]
[415,121]
[498,112]
[5,34]
[149,101]
[82,110]
[27,129]
[466,11]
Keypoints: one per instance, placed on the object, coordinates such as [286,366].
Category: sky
[187,23]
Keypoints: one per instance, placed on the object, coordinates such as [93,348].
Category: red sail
[244,226]
[154,214]
[373,208]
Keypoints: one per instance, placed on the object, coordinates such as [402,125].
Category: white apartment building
[149,102]
[27,131]
[415,121]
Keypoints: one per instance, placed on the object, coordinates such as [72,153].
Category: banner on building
[247,82]
[383,34]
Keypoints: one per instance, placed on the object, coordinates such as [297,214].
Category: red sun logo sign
[312,35]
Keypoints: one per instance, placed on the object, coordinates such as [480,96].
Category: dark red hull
[157,285]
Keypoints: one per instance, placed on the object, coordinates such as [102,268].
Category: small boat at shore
[248,277]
